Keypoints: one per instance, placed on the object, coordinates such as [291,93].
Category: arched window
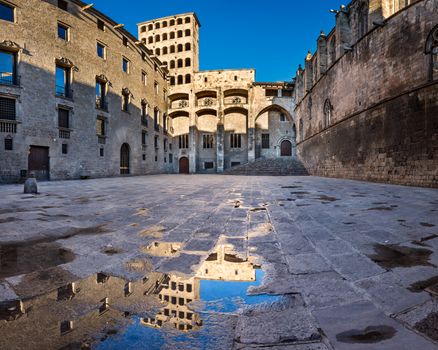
[157,25]
[432,52]
[164,24]
[362,25]
[172,35]
[151,40]
[143,29]
[179,34]
[188,62]
[165,50]
[188,78]
[172,80]
[180,63]
[172,49]
[157,51]
[180,48]
[164,36]
[165,63]
[180,80]
[188,20]
[150,27]
[172,64]
[328,108]
[180,21]
[188,32]
[172,22]
[157,38]
[188,46]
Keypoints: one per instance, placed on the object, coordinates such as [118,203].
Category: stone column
[220,134]
[193,136]
[321,55]
[343,31]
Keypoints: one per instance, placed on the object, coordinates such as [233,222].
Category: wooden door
[286,148]
[38,162]
[124,159]
[184,165]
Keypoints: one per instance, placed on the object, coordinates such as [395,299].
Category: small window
[187,20]
[125,41]
[172,35]
[150,40]
[143,29]
[183,141]
[156,88]
[156,142]
[235,140]
[100,126]
[66,326]
[158,51]
[188,78]
[233,164]
[8,68]
[101,25]
[150,27]
[180,48]
[235,78]
[208,165]
[189,288]
[7,13]
[207,141]
[172,22]
[157,25]
[283,117]
[265,141]
[188,32]
[188,46]
[188,62]
[101,50]
[63,5]
[164,36]
[144,78]
[101,151]
[63,32]
[64,148]
[144,138]
[165,50]
[144,157]
[8,144]
[172,81]
[125,102]
[180,21]
[180,80]
[179,34]
[170,158]
[63,75]
[180,63]
[205,80]
[125,65]
[164,24]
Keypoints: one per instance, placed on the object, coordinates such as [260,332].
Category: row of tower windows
[164,24]
[172,49]
[180,80]
[179,63]
[171,35]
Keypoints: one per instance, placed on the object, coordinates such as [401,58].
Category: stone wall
[373,114]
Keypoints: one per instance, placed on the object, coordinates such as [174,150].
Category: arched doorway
[286,148]
[124,159]
[184,165]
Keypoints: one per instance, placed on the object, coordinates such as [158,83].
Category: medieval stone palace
[82,97]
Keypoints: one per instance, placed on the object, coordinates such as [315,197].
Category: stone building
[220,118]
[366,100]
[79,95]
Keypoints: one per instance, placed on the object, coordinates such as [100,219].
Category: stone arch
[206,98]
[125,151]
[179,100]
[277,108]
[431,50]
[235,96]
[207,120]
[328,109]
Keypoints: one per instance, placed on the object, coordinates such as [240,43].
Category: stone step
[270,167]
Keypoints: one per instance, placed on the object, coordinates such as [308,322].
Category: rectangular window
[7,13]
[101,152]
[235,164]
[144,78]
[170,158]
[63,5]
[156,142]
[101,95]
[63,32]
[236,141]
[144,136]
[100,127]
[101,50]
[125,65]
[7,108]
[184,141]
[125,41]
[208,165]
[66,326]
[8,68]
[282,117]
[156,88]
[63,118]
[63,82]
[101,25]
[265,141]
[125,105]
[64,148]
[8,144]
[157,120]
[207,141]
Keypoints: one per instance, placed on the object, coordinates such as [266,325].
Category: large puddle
[160,311]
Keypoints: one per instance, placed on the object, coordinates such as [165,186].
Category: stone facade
[33,38]
[367,98]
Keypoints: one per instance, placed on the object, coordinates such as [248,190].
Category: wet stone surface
[218,262]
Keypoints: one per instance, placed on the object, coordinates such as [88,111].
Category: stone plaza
[353,264]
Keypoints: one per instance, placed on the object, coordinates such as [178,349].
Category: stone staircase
[270,167]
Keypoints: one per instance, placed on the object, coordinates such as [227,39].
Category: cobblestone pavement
[357,261]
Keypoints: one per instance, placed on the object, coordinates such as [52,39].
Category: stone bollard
[30,186]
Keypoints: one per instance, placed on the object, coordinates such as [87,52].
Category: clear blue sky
[271,36]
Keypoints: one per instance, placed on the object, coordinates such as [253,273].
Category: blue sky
[271,36]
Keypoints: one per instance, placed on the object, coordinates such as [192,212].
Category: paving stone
[355,266]
[306,263]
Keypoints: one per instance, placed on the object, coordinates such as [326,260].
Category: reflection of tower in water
[179,292]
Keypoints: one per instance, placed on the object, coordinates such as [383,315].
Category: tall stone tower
[175,41]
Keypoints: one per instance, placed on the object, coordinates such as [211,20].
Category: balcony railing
[8,78]
[101,139]
[8,126]
[64,134]
[64,91]
[101,103]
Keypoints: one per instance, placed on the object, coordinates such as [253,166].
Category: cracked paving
[219,262]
